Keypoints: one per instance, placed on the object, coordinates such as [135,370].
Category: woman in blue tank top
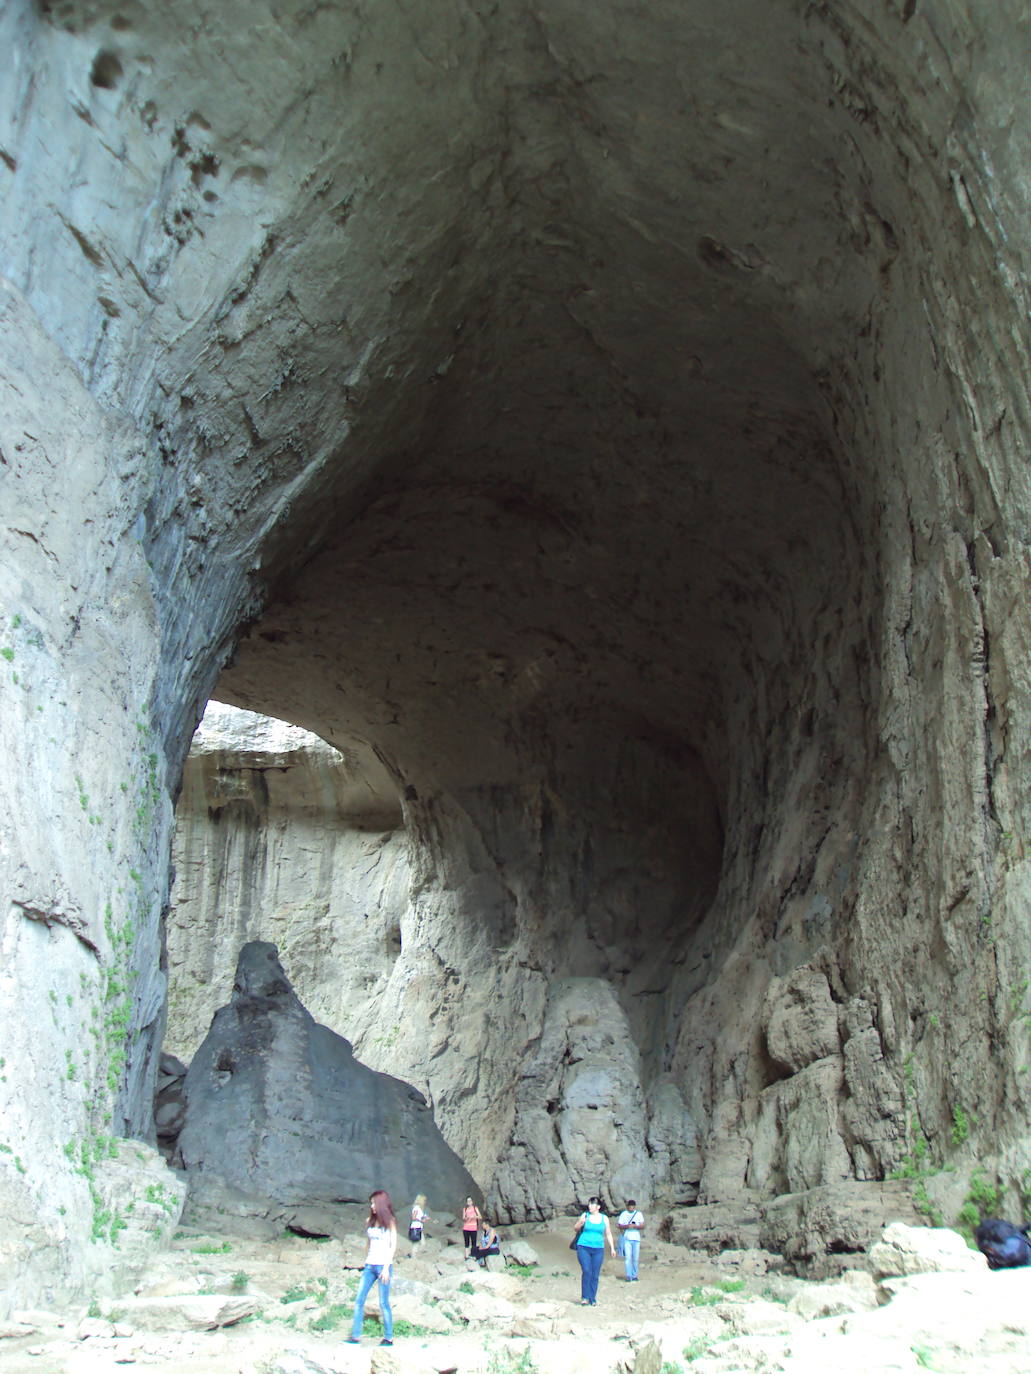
[592,1235]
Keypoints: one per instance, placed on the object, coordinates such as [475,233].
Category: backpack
[1003,1245]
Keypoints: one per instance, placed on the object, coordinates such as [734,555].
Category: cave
[603,430]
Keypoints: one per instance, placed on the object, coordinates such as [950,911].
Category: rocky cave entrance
[606,431]
[597,642]
[600,590]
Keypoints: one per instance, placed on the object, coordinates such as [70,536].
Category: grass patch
[694,1350]
[331,1318]
[983,1199]
[704,1297]
[209,1247]
[508,1362]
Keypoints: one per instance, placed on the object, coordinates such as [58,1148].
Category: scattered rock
[193,1312]
[855,1292]
[923,1250]
[825,1230]
[520,1252]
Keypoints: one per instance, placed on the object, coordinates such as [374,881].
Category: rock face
[278,1109]
[611,421]
[281,837]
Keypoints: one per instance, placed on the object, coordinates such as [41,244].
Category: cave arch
[420,353]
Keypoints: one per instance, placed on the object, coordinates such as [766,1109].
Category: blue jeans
[370,1274]
[631,1250]
[590,1258]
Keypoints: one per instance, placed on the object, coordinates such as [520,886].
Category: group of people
[593,1234]
[479,1236]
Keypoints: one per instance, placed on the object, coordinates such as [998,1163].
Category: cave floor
[291,1299]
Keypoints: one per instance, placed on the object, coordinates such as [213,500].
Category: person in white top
[381,1232]
[631,1224]
[419,1219]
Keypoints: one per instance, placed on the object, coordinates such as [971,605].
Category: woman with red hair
[381,1231]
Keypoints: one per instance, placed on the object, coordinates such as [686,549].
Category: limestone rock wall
[612,421]
[280,837]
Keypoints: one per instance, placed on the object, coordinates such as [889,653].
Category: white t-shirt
[632,1220]
[417,1216]
[381,1250]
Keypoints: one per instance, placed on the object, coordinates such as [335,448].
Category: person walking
[381,1234]
[471,1218]
[417,1222]
[593,1233]
[631,1224]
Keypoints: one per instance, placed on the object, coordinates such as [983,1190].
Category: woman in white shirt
[419,1219]
[381,1231]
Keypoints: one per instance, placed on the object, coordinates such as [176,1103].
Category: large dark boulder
[279,1111]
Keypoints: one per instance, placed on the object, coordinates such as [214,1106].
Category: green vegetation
[960,1126]
[162,1197]
[210,1248]
[411,1330]
[983,1199]
[671,1367]
[705,1297]
[1017,994]
[694,1350]
[771,1295]
[466,1287]
[508,1362]
[331,1318]
[923,1356]
[730,1285]
[523,1271]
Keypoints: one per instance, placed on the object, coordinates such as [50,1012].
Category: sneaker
[384,1341]
[353,1340]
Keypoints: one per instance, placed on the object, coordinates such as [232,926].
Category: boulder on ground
[279,1109]
[826,1230]
[188,1312]
[904,1250]
[521,1252]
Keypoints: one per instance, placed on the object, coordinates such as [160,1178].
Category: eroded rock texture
[618,418]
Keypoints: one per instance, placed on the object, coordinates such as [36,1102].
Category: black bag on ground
[1003,1245]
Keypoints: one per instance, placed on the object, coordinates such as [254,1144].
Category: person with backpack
[417,1222]
[631,1224]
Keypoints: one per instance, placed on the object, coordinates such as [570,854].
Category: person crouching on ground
[381,1232]
[592,1235]
[487,1243]
[631,1224]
